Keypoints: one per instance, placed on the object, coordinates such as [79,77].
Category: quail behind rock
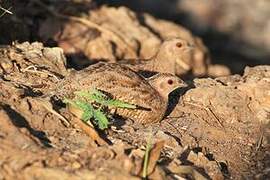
[173,56]
[124,84]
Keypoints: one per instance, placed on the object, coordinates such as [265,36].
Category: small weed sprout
[94,105]
[146,157]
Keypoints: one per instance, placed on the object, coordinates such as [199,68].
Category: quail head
[173,55]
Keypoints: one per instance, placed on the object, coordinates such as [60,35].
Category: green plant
[102,99]
[93,104]
[146,157]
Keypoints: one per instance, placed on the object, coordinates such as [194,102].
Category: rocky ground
[216,128]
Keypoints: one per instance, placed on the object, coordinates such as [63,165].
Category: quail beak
[191,46]
[182,64]
[182,84]
[180,61]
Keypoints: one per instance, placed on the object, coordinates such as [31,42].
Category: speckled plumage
[123,84]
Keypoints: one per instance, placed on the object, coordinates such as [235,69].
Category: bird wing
[120,81]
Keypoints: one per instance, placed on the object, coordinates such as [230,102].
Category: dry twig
[90,131]
[47,105]
[5,11]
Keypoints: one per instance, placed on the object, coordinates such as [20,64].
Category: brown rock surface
[219,127]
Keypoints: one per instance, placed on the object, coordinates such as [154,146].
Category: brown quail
[122,83]
[173,56]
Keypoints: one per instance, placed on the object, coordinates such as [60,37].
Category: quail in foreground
[173,56]
[124,84]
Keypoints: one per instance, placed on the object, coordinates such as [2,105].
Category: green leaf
[101,98]
[98,93]
[120,104]
[93,95]
[146,156]
[88,110]
[101,119]
[102,101]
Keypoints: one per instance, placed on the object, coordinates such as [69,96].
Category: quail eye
[179,44]
[170,82]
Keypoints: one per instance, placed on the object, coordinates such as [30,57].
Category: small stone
[76,165]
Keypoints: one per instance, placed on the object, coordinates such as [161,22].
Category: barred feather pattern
[121,83]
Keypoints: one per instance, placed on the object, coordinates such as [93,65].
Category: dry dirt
[217,128]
